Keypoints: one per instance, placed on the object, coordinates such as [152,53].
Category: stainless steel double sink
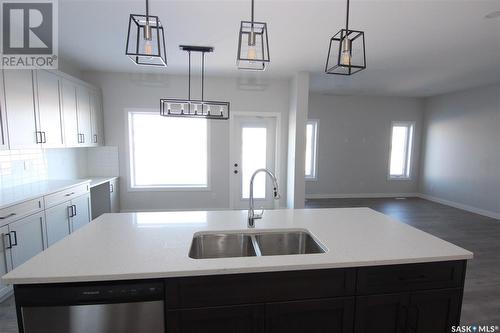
[252,244]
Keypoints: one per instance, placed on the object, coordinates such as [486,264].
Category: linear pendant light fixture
[191,107]
[346,53]
[253,45]
[146,40]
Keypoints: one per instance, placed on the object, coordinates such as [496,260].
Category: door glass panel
[253,157]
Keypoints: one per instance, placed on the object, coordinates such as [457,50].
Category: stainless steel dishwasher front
[107,308]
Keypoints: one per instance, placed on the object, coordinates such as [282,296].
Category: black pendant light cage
[346,52]
[253,45]
[146,40]
[195,108]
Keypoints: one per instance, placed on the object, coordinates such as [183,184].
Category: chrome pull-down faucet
[252,215]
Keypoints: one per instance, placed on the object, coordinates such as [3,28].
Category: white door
[70,115]
[81,212]
[49,109]
[57,222]
[253,146]
[84,116]
[27,238]
[20,107]
[97,119]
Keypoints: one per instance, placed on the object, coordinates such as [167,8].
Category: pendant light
[346,53]
[253,45]
[192,107]
[146,40]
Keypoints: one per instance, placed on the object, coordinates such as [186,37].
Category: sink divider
[256,247]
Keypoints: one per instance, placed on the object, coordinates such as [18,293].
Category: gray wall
[354,142]
[123,91]
[462,148]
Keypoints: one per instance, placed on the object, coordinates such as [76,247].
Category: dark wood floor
[476,233]
[473,232]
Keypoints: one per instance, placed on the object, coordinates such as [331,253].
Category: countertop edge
[96,181]
[31,197]
[237,270]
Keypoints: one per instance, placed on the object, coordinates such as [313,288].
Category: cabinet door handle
[95,138]
[70,211]
[44,137]
[69,194]
[7,216]
[111,188]
[75,212]
[15,238]
[39,137]
[83,138]
[9,240]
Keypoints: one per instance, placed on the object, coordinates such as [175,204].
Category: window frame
[314,167]
[409,150]
[161,188]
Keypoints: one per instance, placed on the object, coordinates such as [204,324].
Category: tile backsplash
[19,167]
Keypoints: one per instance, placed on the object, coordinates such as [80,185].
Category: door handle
[39,137]
[14,233]
[71,211]
[44,137]
[10,241]
[7,216]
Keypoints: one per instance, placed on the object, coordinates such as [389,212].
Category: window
[311,149]
[167,152]
[401,148]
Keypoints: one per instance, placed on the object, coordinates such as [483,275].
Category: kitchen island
[374,274]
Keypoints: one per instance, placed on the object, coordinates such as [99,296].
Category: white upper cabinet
[20,108]
[49,118]
[4,141]
[48,109]
[97,118]
[70,114]
[84,116]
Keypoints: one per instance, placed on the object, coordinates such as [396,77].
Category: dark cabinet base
[411,298]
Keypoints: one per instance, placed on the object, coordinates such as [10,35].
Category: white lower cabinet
[81,212]
[114,190]
[26,238]
[5,260]
[67,217]
[57,222]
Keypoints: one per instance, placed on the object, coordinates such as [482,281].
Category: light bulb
[148,47]
[345,57]
[251,53]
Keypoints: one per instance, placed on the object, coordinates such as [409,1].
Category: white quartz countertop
[96,181]
[17,194]
[156,245]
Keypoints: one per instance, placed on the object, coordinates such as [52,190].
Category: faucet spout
[252,215]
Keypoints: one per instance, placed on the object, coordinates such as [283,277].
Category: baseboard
[359,195]
[458,205]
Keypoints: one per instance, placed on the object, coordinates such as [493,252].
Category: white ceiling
[413,48]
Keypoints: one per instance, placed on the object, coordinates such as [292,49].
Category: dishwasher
[107,307]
